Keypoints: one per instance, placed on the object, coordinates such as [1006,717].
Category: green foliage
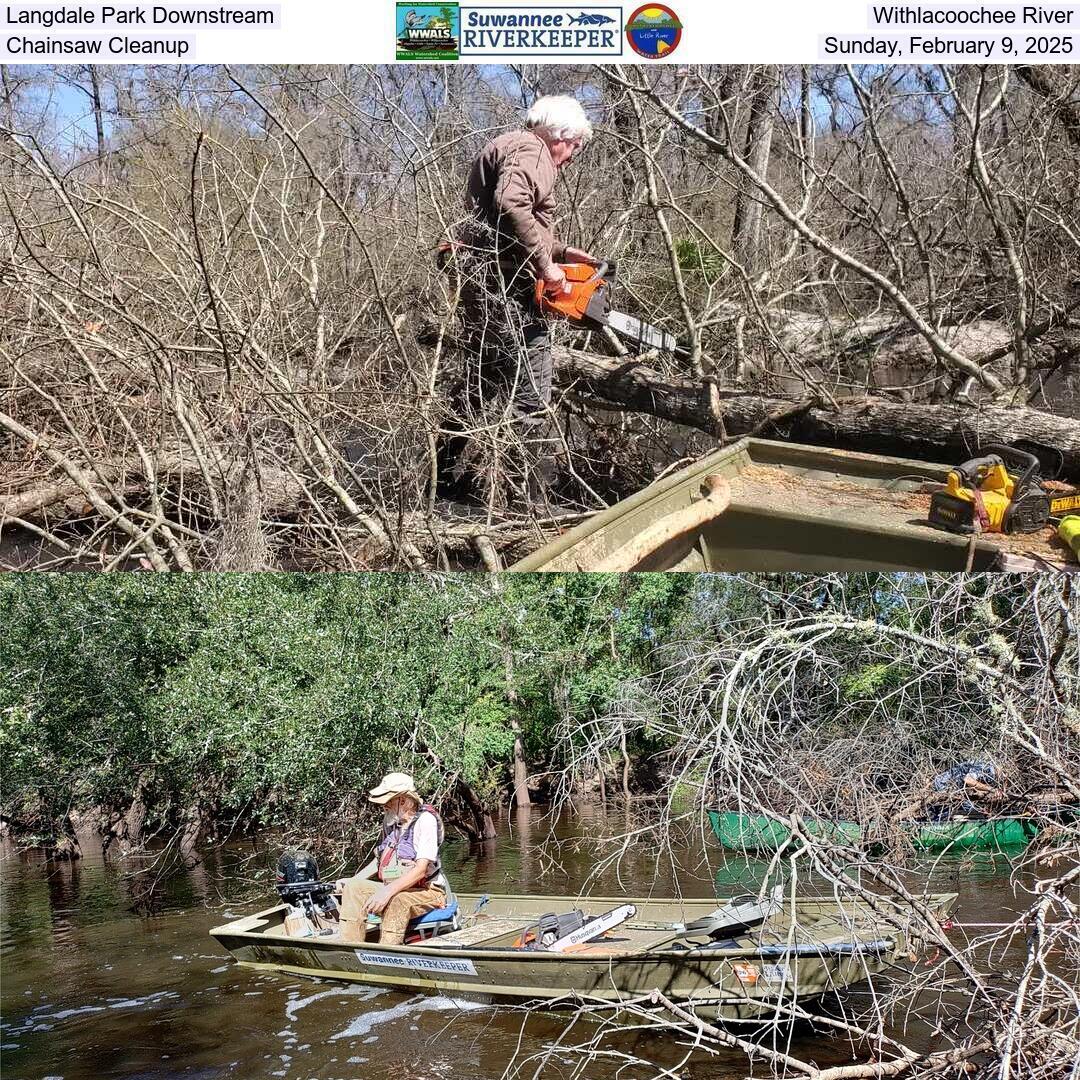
[871,680]
[274,698]
[280,699]
[695,257]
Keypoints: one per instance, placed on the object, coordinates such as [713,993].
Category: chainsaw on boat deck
[585,299]
[983,495]
[557,933]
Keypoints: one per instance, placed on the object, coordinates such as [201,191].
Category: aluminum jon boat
[799,951]
[792,507]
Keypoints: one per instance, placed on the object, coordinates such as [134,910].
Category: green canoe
[757,833]
[995,835]
[745,832]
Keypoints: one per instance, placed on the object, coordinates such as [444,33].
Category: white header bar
[682,32]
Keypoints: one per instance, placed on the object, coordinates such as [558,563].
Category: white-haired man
[508,243]
[405,878]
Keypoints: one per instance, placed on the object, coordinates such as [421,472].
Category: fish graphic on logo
[654,30]
[590,20]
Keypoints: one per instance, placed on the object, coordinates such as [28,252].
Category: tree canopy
[252,701]
[277,697]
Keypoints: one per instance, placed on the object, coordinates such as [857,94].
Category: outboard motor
[298,884]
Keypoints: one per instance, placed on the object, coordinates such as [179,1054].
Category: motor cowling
[299,886]
[296,868]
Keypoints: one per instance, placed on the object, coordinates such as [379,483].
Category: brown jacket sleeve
[526,184]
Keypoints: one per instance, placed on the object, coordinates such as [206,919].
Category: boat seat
[442,920]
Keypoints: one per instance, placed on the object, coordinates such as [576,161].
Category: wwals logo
[654,31]
[428,31]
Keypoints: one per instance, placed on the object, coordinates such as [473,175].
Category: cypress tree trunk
[520,769]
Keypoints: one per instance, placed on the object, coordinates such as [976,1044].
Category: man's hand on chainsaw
[554,279]
[576,255]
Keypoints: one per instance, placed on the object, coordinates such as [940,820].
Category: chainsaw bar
[642,334]
[594,928]
[585,299]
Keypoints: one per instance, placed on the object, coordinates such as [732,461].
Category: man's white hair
[558,118]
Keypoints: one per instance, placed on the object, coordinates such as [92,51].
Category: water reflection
[108,969]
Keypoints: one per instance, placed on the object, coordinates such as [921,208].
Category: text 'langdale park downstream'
[84,42]
[155,15]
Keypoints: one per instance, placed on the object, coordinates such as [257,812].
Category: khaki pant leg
[405,906]
[354,892]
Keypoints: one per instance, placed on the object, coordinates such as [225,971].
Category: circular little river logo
[653,31]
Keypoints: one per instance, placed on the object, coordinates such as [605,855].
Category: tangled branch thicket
[225,343]
[838,700]
[166,712]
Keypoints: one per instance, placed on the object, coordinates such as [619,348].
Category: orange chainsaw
[585,299]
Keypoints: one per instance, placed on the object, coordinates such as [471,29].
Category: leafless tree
[222,314]
[823,711]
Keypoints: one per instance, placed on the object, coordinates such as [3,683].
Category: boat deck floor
[478,931]
[905,503]
[501,931]
[622,939]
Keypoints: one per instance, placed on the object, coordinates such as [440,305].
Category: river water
[108,970]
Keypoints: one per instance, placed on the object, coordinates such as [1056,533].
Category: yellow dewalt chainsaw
[982,495]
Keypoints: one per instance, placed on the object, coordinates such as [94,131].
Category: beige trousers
[403,907]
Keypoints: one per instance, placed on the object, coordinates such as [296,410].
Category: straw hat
[392,784]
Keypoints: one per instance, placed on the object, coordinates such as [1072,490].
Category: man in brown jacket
[509,242]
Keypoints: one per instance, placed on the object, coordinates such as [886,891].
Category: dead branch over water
[821,713]
[225,343]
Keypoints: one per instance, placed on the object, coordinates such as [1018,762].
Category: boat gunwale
[495,953]
[819,457]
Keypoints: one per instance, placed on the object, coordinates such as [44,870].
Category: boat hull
[741,981]
[755,832]
[999,835]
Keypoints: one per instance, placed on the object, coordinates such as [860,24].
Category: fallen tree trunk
[463,539]
[945,433]
[328,508]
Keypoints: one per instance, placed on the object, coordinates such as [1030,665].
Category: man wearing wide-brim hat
[405,878]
